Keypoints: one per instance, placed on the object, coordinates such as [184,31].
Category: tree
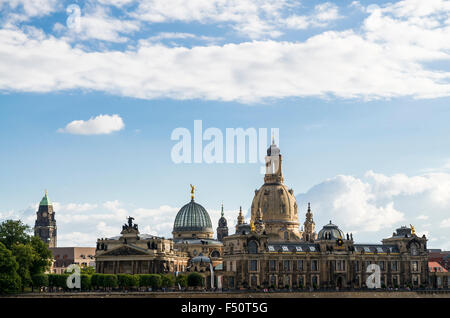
[181,280]
[88,270]
[108,280]
[9,279]
[44,258]
[128,280]
[25,256]
[14,232]
[167,280]
[85,282]
[195,280]
[39,280]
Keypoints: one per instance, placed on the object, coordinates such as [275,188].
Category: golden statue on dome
[192,191]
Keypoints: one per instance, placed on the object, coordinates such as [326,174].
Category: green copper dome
[192,217]
[45,200]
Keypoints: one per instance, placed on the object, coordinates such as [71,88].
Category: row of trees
[123,281]
[22,256]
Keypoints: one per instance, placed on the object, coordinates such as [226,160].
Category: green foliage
[40,280]
[58,280]
[108,280]
[181,280]
[14,232]
[44,257]
[9,279]
[25,256]
[88,270]
[127,280]
[195,280]
[167,280]
[85,282]
[97,280]
[52,280]
[150,280]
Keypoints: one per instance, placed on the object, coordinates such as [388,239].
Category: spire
[192,192]
[222,211]
[45,200]
[240,216]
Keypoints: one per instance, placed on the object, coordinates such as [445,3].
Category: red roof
[436,267]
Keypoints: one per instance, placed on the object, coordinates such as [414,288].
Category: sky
[92,91]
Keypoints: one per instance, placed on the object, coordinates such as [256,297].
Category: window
[381,264]
[315,281]
[298,248]
[286,235]
[287,281]
[301,281]
[395,281]
[253,265]
[234,266]
[286,265]
[285,248]
[314,265]
[300,265]
[254,281]
[271,248]
[252,247]
[414,249]
[356,266]
[272,265]
[340,265]
[414,266]
[273,280]
[231,282]
[394,266]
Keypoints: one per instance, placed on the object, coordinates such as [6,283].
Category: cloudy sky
[91,91]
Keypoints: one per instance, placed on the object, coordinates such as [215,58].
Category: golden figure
[413,230]
[192,191]
[252,226]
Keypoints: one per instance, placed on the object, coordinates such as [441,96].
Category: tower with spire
[45,225]
[240,219]
[222,229]
[309,234]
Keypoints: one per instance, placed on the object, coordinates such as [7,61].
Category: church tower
[309,235]
[222,229]
[274,204]
[45,226]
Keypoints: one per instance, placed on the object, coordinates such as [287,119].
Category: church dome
[330,231]
[192,217]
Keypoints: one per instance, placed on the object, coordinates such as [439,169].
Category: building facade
[272,251]
[65,256]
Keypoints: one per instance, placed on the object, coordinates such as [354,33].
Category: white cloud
[445,223]
[23,10]
[253,18]
[383,60]
[102,124]
[96,22]
[377,203]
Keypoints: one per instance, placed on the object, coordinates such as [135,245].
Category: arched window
[252,247]
[215,254]
[286,235]
[414,249]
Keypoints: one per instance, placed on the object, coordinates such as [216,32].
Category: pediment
[124,250]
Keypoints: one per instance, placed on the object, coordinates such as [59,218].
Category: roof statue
[413,230]
[192,191]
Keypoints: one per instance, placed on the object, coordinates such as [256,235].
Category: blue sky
[358,91]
